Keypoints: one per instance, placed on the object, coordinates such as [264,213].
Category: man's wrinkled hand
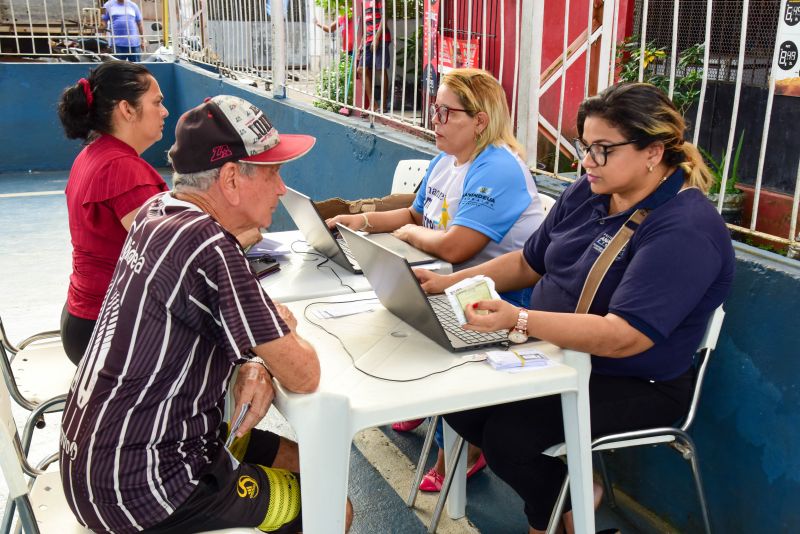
[254,386]
[287,315]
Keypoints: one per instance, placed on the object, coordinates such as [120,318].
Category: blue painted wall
[350,159]
[748,429]
[748,425]
[33,138]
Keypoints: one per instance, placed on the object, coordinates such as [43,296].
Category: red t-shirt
[348,29]
[108,180]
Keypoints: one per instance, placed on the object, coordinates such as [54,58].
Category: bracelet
[257,359]
[366,224]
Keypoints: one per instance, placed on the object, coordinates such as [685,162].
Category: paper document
[346,308]
[268,246]
[468,291]
[236,424]
[516,360]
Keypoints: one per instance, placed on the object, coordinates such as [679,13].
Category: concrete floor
[34,268]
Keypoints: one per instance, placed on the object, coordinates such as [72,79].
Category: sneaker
[432,481]
[477,466]
[406,426]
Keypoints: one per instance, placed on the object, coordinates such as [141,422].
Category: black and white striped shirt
[144,409]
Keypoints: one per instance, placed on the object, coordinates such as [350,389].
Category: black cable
[325,260]
[352,358]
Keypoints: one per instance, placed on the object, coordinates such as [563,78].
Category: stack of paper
[510,359]
[268,246]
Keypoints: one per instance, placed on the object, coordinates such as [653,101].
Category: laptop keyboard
[444,312]
[346,250]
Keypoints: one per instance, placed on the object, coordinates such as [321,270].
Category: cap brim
[290,147]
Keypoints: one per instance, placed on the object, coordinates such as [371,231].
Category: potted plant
[732,197]
[688,75]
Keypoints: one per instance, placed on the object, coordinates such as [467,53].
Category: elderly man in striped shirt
[143,443]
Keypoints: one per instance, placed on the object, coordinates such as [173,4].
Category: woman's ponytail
[697,172]
[75,110]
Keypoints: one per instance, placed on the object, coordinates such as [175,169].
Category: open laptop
[399,291]
[311,224]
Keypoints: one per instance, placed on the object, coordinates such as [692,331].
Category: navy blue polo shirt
[674,272]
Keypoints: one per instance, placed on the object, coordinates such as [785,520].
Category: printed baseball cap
[228,128]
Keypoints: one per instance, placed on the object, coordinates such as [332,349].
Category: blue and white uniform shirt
[494,194]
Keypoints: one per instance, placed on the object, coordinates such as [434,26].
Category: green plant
[717,168]
[410,53]
[339,7]
[405,9]
[688,71]
[334,83]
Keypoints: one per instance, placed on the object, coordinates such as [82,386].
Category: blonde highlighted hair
[479,91]
[643,113]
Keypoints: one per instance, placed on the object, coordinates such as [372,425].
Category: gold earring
[649,168]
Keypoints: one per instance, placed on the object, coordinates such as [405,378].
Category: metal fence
[381,60]
[73,30]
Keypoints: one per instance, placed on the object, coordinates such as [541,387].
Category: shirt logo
[247,487]
[220,151]
[131,257]
[482,196]
[602,242]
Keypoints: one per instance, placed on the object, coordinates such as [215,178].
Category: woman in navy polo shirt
[651,309]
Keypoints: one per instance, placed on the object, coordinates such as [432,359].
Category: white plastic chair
[547,202]
[36,369]
[408,174]
[41,507]
[676,437]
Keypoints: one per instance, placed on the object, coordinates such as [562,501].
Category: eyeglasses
[442,112]
[598,152]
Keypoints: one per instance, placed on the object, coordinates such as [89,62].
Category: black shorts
[248,495]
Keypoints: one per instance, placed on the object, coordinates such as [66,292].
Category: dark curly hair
[110,83]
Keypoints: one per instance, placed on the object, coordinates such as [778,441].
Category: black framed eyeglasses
[598,152]
[443,112]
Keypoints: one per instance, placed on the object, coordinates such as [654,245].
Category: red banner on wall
[430,50]
[456,52]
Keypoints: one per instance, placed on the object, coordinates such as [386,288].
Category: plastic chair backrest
[708,344]
[9,447]
[408,174]
[547,202]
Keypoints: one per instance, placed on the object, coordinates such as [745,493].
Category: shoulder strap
[606,258]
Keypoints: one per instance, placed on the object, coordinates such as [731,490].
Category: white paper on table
[346,308]
[432,266]
[269,246]
[517,359]
[549,364]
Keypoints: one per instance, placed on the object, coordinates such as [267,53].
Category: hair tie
[87,90]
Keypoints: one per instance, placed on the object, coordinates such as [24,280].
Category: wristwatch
[520,332]
[258,360]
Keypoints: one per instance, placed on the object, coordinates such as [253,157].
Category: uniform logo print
[247,487]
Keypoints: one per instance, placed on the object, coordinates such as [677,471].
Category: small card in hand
[469,291]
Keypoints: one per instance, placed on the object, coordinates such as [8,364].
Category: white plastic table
[348,401]
[299,277]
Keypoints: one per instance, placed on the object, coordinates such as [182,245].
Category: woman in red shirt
[119,111]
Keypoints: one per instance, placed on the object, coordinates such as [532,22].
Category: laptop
[399,291]
[311,224]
